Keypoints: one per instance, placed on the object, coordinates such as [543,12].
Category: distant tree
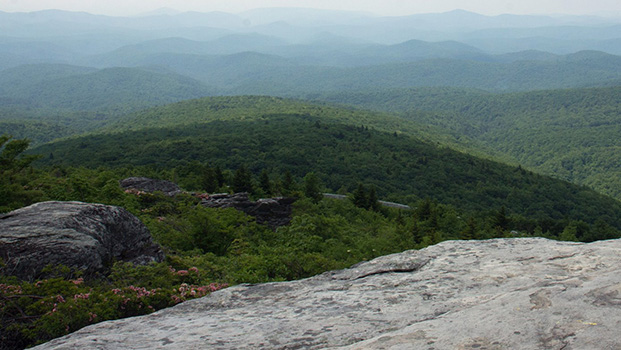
[372,200]
[242,180]
[14,168]
[500,220]
[312,187]
[288,183]
[11,158]
[471,230]
[417,234]
[219,176]
[424,209]
[210,180]
[265,183]
[360,197]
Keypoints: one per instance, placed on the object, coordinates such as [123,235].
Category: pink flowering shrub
[32,313]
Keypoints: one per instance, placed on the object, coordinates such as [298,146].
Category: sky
[380,7]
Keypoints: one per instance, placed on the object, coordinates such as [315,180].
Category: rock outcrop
[150,185]
[273,212]
[497,294]
[79,235]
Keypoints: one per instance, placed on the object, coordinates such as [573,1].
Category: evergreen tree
[360,198]
[312,187]
[219,176]
[500,220]
[13,173]
[471,230]
[417,234]
[210,180]
[372,200]
[242,181]
[287,183]
[265,183]
[424,209]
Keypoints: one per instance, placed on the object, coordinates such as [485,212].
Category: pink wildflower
[182,273]
[81,296]
[10,289]
[194,269]
[183,288]
[78,281]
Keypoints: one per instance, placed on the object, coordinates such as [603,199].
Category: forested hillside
[570,134]
[240,131]
[87,89]
[43,102]
[260,73]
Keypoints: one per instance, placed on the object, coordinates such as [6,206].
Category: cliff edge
[496,294]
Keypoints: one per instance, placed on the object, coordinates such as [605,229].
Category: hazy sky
[383,7]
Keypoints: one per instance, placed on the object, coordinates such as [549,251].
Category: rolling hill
[571,134]
[279,135]
[82,88]
[259,73]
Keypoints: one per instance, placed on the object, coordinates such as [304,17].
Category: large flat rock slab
[85,236]
[496,294]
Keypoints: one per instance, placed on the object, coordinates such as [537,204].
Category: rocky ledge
[497,294]
[84,236]
[274,212]
[148,185]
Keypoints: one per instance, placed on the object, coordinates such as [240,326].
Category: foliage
[570,134]
[312,187]
[14,174]
[242,181]
[32,313]
[401,168]
[365,200]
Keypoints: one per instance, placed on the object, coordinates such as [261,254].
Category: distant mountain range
[68,37]
[64,73]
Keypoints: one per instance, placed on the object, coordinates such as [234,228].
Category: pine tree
[242,181]
[471,230]
[219,176]
[265,183]
[360,198]
[372,201]
[210,180]
[287,183]
[423,212]
[312,187]
[501,221]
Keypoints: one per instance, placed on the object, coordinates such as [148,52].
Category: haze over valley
[484,122]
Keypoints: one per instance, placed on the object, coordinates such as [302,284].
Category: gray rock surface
[80,235]
[150,185]
[497,294]
[274,212]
